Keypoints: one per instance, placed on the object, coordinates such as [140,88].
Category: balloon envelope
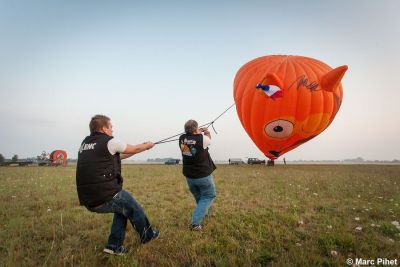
[283,101]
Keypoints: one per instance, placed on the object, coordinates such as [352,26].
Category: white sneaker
[196,227]
[118,251]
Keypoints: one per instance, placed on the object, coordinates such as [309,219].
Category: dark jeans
[125,207]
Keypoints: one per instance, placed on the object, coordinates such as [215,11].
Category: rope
[166,140]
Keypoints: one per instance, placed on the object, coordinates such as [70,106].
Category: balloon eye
[279,129]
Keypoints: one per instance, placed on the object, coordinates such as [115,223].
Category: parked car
[172,162]
[252,161]
[236,161]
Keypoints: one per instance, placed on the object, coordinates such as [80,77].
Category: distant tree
[14,158]
[2,158]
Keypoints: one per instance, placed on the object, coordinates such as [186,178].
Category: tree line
[13,159]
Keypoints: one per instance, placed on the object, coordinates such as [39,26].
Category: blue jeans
[125,207]
[203,190]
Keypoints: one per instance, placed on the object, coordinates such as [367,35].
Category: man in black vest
[99,183]
[197,168]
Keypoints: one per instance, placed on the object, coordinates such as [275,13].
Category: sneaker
[116,251]
[156,234]
[196,227]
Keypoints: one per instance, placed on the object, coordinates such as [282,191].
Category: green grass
[292,215]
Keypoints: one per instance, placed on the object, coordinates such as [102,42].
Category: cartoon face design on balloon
[284,101]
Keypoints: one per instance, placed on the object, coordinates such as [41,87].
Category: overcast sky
[152,65]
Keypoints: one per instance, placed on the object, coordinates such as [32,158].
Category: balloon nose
[275,153]
[278,129]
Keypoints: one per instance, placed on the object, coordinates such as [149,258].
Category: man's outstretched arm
[131,150]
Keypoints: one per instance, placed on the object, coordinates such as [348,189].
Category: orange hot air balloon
[283,101]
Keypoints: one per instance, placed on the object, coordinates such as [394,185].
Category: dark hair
[98,122]
[190,126]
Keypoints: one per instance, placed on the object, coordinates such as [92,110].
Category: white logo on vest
[86,147]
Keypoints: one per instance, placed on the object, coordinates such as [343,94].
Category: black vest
[197,162]
[98,173]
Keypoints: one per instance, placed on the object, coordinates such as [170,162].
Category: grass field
[299,215]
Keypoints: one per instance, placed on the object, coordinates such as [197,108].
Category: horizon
[160,160]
